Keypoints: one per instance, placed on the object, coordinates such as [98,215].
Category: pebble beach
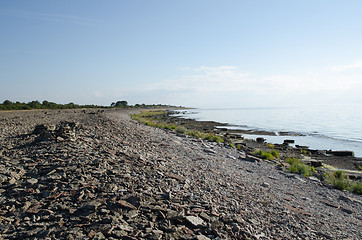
[98,174]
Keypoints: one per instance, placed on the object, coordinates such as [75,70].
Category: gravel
[97,174]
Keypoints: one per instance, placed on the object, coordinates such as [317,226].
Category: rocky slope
[88,174]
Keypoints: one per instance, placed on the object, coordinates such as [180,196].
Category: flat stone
[125,204]
[32,180]
[202,237]
[125,227]
[210,151]
[195,221]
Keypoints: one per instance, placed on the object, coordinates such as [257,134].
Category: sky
[199,53]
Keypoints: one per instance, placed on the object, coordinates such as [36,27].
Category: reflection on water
[337,127]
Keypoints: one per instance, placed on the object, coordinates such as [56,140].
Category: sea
[323,127]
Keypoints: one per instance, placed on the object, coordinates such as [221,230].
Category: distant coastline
[324,131]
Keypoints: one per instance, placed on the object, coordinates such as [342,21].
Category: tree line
[9,105]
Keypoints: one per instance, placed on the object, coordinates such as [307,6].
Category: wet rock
[341,153]
[288,141]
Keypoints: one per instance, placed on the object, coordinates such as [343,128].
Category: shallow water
[336,127]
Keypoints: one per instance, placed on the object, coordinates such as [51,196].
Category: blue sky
[193,53]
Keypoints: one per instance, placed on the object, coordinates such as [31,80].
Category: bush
[181,130]
[357,187]
[296,166]
[338,179]
[270,155]
[214,138]
[270,145]
[303,151]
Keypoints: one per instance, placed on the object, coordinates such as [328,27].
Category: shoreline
[303,127]
[339,159]
[111,177]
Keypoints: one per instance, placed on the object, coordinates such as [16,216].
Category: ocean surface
[324,127]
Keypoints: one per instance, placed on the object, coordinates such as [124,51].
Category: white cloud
[219,78]
[228,86]
[357,65]
[229,79]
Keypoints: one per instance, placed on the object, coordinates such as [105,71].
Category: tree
[45,104]
[113,104]
[121,104]
[34,104]
[7,102]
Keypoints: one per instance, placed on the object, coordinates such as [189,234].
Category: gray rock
[201,237]
[32,180]
[195,221]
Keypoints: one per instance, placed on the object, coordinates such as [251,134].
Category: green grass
[150,118]
[296,166]
[270,145]
[340,181]
[181,130]
[147,118]
[357,187]
[269,155]
[206,136]
[303,151]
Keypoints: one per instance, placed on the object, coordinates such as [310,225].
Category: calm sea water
[336,127]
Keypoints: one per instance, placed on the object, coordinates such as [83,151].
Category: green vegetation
[296,166]
[206,136]
[146,117]
[270,145]
[119,104]
[181,130]
[357,187]
[150,118]
[303,151]
[231,145]
[338,179]
[8,105]
[269,155]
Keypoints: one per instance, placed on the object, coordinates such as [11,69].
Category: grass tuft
[296,166]
[269,155]
[338,179]
[150,118]
[357,187]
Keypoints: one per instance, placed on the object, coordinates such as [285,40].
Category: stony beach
[98,174]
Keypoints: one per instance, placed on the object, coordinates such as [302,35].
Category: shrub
[231,145]
[357,187]
[275,153]
[270,145]
[181,130]
[270,155]
[338,179]
[296,166]
[214,138]
[303,151]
